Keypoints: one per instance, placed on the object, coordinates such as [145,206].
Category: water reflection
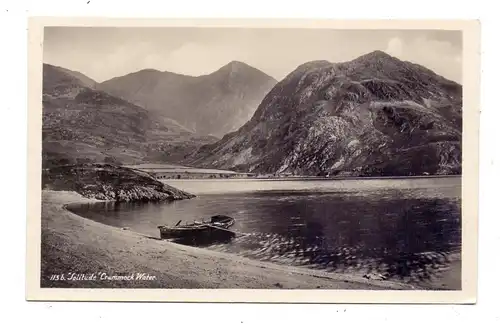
[397,238]
[203,241]
[401,234]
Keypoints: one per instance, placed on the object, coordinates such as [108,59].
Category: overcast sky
[104,53]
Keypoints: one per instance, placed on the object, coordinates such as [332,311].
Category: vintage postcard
[253,160]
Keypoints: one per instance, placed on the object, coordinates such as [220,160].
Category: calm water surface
[402,228]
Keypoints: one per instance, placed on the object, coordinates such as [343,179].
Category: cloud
[395,47]
[441,56]
[105,53]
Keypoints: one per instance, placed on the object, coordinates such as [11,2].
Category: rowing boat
[216,228]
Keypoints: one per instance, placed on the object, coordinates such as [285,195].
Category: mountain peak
[237,69]
[372,116]
[376,55]
[237,63]
[148,71]
[215,103]
[235,66]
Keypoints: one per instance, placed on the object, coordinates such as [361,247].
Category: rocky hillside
[374,115]
[58,78]
[82,124]
[213,104]
[108,182]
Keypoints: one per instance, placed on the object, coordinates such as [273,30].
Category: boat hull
[195,232]
[222,221]
[215,230]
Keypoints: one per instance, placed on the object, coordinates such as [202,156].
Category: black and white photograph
[253,158]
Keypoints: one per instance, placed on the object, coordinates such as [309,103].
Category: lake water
[402,228]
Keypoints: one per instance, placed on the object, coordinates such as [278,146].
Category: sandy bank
[73,244]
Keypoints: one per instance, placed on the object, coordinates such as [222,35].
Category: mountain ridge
[211,104]
[83,124]
[359,118]
[84,79]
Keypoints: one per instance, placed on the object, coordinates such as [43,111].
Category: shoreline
[314,178]
[73,244]
[193,173]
